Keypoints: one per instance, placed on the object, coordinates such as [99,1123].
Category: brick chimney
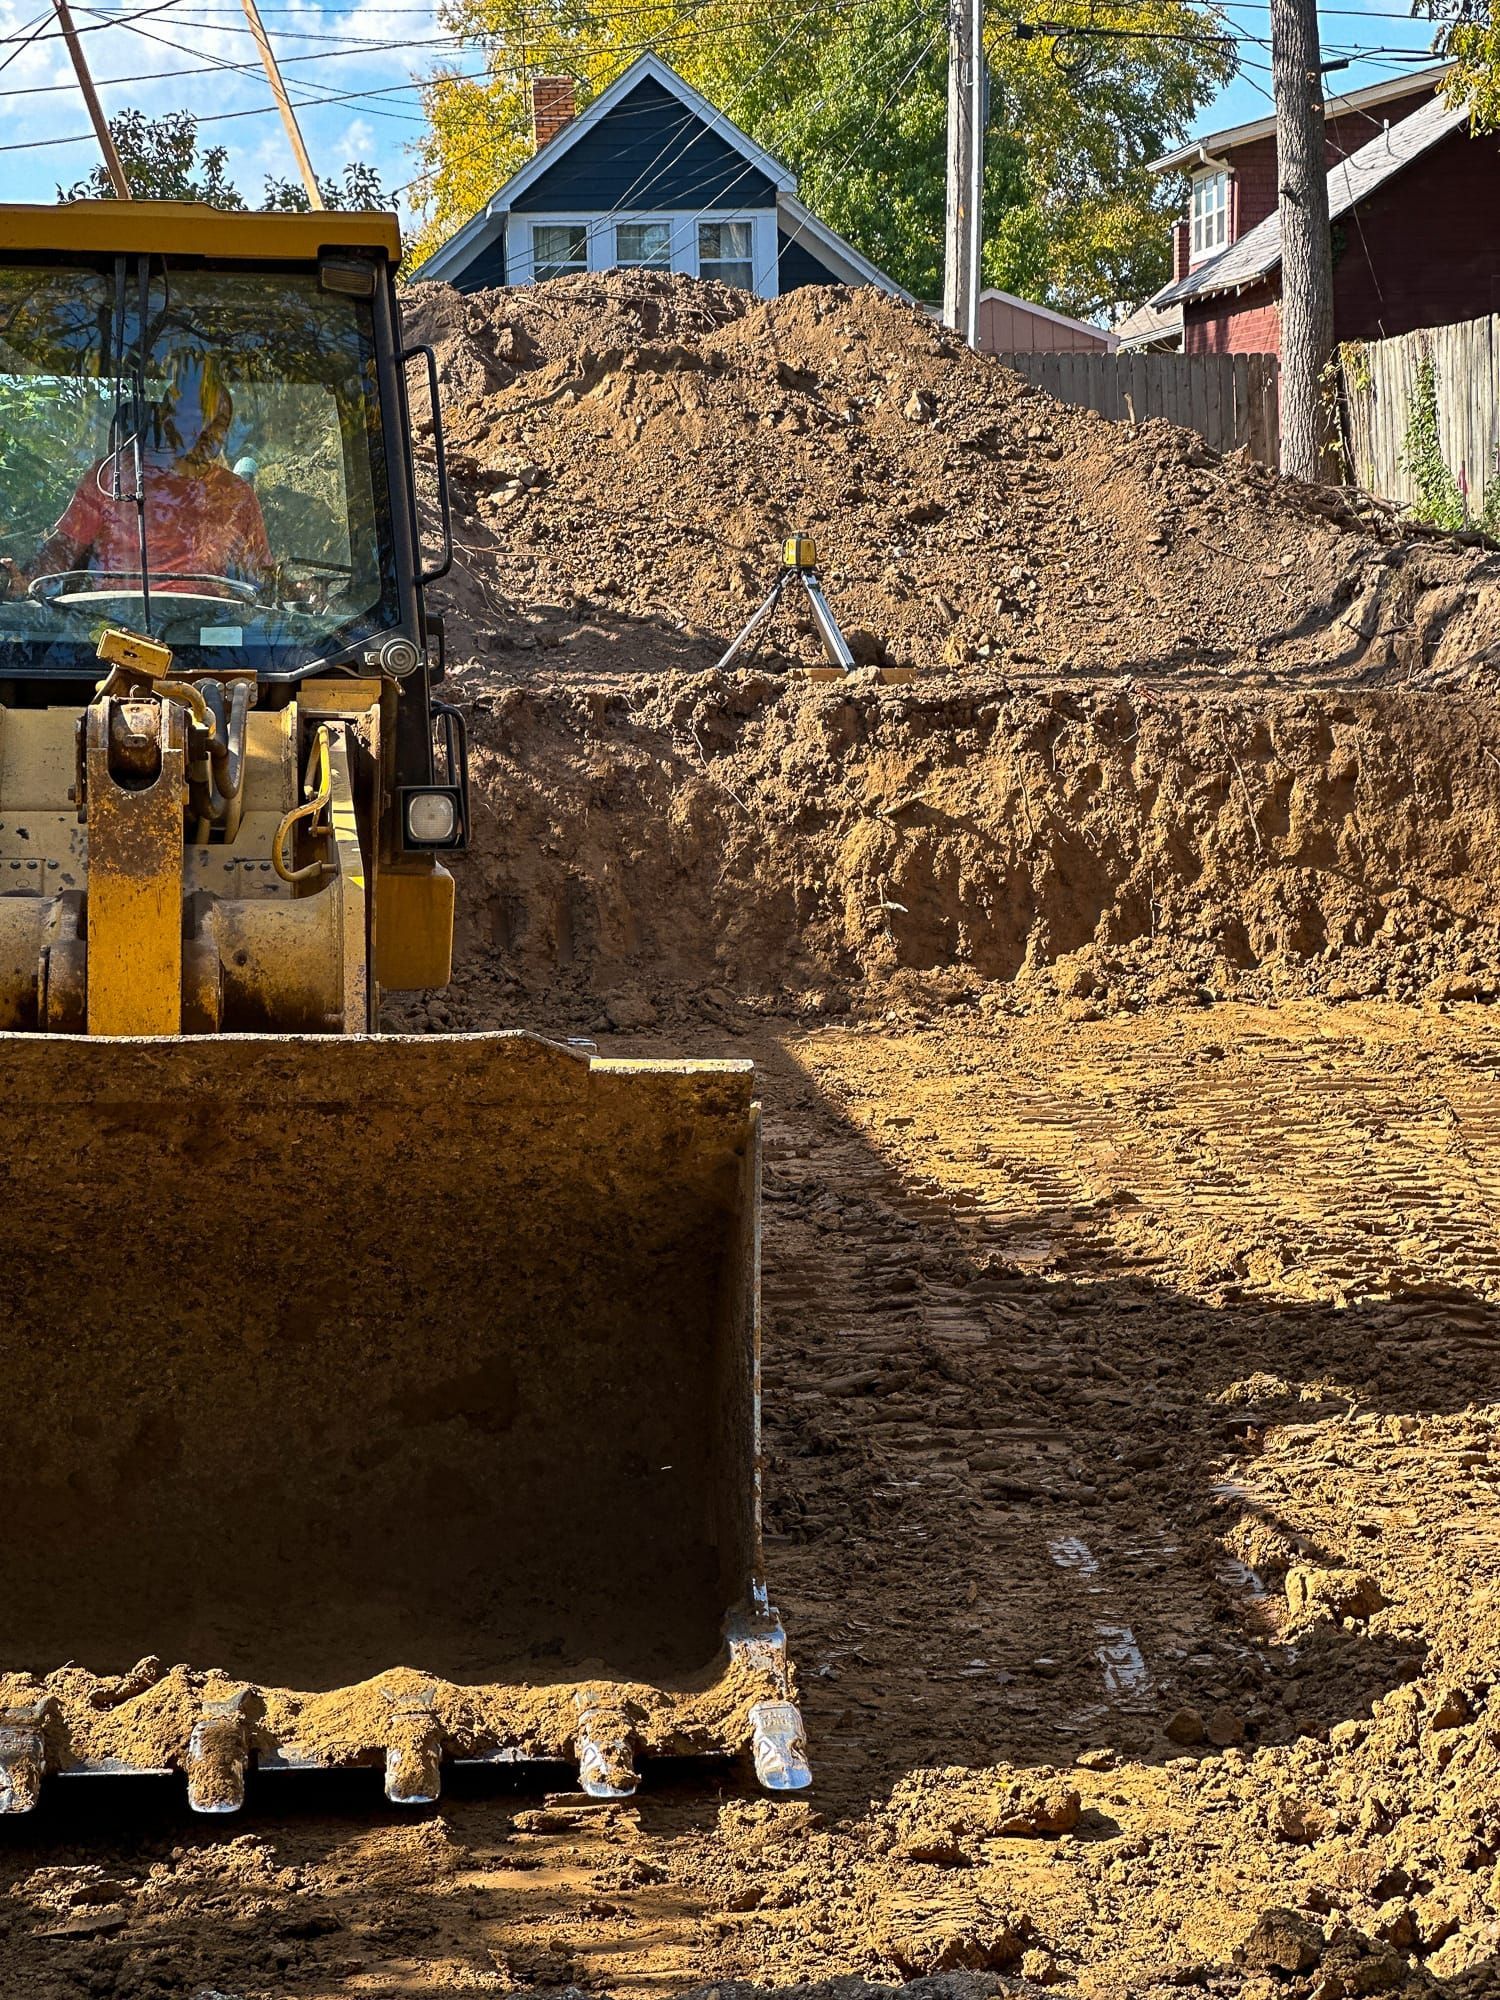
[553,105]
[1181,249]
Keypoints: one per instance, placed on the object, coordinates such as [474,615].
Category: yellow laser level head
[799,552]
[129,649]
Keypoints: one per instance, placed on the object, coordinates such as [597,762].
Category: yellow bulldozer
[369,1399]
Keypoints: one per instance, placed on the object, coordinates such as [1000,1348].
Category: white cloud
[357,141]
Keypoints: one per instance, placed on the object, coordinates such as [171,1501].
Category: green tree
[164,161]
[1468,35]
[358,188]
[855,102]
[1073,217]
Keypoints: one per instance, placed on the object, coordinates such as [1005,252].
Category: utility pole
[1306,243]
[118,179]
[964,232]
[284,104]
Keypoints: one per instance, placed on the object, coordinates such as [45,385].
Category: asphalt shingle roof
[1149,323]
[1258,252]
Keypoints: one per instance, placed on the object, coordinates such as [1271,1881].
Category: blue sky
[353,65]
[1345,26]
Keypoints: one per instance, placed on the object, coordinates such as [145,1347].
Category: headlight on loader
[433,816]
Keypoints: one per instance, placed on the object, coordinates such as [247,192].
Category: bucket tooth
[757,1644]
[779,1744]
[413,1753]
[218,1756]
[778,1739]
[605,1743]
[23,1757]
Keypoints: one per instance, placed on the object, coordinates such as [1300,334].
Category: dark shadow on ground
[985,1487]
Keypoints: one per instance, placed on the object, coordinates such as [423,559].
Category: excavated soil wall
[734,839]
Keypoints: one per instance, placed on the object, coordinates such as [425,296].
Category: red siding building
[1222,299]
[1416,242]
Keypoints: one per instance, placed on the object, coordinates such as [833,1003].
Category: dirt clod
[1281,1941]
[929,1941]
[1331,1593]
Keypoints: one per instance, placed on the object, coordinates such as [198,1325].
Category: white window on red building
[1210,212]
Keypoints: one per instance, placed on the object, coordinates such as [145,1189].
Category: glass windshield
[224,445]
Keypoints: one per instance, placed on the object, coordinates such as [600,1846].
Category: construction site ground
[1121,993]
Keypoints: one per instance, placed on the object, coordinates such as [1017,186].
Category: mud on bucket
[362,1379]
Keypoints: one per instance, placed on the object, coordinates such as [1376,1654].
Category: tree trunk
[1306,243]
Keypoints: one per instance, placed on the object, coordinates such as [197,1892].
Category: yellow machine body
[117,924]
[370,1399]
[193,229]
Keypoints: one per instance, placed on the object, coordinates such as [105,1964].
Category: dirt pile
[732,840]
[629,449]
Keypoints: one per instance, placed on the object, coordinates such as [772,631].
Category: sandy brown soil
[1132,1198]
[628,451]
[1133,1444]
[718,842]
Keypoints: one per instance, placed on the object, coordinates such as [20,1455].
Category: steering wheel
[127,583]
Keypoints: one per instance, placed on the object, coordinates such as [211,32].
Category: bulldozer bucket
[379,1401]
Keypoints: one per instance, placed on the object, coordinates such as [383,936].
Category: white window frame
[554,222]
[1208,214]
[620,222]
[519,266]
[715,221]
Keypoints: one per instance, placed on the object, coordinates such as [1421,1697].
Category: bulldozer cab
[199,449]
[371,1399]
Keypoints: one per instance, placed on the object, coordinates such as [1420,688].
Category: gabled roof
[1335,106]
[546,157]
[793,216]
[836,251]
[1258,252]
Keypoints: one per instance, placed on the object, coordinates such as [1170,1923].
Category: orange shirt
[205,522]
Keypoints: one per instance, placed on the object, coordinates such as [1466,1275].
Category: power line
[215,65]
[26,39]
[671,35]
[55,34]
[204,118]
[311,102]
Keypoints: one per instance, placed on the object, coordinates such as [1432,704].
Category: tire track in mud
[1047,1415]
[1006,1281]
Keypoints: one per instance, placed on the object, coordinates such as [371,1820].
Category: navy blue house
[649,175]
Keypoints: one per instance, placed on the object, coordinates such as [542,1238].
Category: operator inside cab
[203,522]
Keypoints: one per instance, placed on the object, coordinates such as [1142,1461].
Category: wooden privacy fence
[1229,399]
[1380,383]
